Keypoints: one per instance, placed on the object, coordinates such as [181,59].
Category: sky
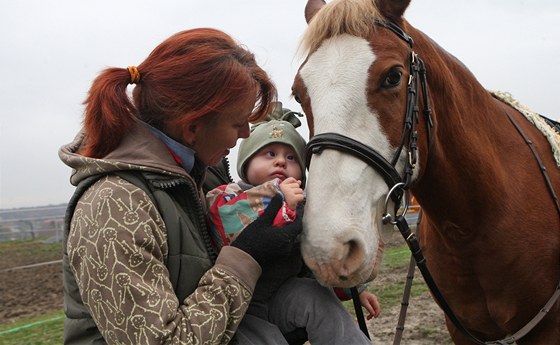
[51,50]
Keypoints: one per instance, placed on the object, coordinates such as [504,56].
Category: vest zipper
[226,161]
[202,222]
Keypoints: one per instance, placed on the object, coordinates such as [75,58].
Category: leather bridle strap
[355,148]
[542,167]
[417,71]
[396,30]
[416,251]
[414,246]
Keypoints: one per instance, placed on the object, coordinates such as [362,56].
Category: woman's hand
[267,243]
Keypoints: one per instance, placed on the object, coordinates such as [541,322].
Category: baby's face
[272,161]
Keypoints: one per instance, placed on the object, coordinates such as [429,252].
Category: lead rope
[359,311]
[406,293]
[404,302]
[414,247]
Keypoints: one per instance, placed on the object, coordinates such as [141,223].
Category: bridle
[387,169]
[399,185]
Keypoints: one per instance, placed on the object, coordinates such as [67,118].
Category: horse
[391,112]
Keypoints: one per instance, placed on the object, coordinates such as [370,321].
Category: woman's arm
[117,248]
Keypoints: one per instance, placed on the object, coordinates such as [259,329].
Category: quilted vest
[190,253]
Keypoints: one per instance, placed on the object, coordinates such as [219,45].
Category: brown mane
[353,17]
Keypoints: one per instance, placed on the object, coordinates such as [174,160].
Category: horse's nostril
[353,244]
[354,256]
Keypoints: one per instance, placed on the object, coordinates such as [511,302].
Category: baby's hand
[369,301]
[293,194]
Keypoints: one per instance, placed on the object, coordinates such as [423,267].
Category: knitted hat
[278,127]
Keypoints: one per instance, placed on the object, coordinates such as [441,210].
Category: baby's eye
[271,154]
[291,157]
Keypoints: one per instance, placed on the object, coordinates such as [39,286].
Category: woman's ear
[190,133]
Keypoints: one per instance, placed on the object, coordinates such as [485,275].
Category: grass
[48,329]
[391,294]
[395,257]
[28,252]
[44,330]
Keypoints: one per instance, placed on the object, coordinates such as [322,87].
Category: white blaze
[342,191]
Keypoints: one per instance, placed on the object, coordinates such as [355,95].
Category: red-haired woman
[139,266]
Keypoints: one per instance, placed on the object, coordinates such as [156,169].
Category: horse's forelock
[353,17]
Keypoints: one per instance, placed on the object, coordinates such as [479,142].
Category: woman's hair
[192,74]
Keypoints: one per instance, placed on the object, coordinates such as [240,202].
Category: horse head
[353,82]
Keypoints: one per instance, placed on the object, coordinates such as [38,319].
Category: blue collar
[185,154]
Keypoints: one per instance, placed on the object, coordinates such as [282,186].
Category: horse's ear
[393,10]
[312,7]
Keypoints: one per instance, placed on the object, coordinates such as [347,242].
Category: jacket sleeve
[117,248]
[229,212]
[284,216]
[232,208]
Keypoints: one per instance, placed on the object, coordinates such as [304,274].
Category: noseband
[395,182]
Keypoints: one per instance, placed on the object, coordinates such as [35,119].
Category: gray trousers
[302,303]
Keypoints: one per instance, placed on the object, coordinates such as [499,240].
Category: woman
[138,264]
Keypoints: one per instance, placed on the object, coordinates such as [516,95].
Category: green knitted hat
[278,127]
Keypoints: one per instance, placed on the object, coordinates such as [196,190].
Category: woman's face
[214,138]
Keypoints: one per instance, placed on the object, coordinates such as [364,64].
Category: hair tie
[134,74]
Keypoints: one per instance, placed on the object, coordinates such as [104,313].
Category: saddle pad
[549,128]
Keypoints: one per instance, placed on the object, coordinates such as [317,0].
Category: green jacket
[138,267]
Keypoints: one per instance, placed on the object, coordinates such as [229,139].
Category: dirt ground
[424,323]
[38,290]
[30,291]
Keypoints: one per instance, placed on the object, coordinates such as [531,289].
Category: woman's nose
[244,131]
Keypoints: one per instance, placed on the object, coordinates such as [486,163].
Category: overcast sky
[51,50]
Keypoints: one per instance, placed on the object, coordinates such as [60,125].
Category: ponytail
[109,114]
[193,74]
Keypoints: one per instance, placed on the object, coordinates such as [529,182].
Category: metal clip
[411,160]
[387,218]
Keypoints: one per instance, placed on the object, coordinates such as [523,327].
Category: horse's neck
[462,164]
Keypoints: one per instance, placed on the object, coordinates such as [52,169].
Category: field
[31,298]
[425,322]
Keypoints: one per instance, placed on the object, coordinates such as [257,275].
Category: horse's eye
[296,97]
[393,78]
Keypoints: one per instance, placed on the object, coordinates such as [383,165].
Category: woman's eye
[393,78]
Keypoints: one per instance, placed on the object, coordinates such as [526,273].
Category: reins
[398,187]
[537,158]
[406,293]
